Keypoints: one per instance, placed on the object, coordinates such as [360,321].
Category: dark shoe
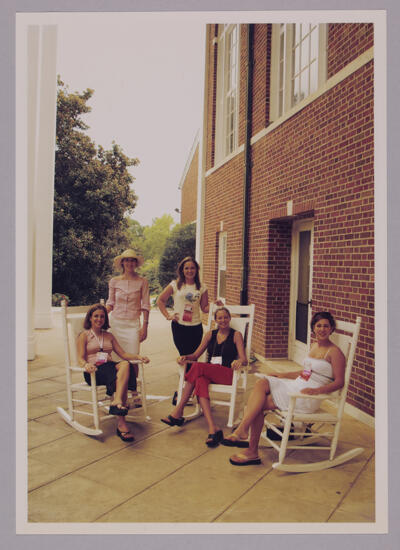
[214,439]
[174,398]
[172,421]
[137,402]
[245,462]
[277,437]
[118,411]
[235,441]
[124,437]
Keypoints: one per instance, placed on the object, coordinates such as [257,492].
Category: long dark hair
[87,324]
[323,315]
[181,277]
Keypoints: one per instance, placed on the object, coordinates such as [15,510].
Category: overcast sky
[147,76]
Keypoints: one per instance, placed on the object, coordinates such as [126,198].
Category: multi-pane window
[305,61]
[227,90]
[298,64]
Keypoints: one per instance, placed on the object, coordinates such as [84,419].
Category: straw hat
[127,254]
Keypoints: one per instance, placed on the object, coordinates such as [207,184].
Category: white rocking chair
[242,320]
[303,437]
[72,325]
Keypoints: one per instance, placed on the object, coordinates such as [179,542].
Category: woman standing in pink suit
[128,299]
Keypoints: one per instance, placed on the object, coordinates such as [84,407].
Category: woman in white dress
[323,372]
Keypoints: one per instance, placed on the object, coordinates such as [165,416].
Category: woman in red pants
[225,349]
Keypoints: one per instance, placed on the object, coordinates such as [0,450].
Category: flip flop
[137,402]
[235,442]
[118,411]
[173,421]
[247,462]
[124,437]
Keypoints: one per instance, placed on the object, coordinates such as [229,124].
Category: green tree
[135,235]
[180,243]
[92,197]
[155,236]
[150,241]
[149,270]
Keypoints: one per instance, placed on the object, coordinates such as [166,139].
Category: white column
[44,176]
[201,185]
[32,52]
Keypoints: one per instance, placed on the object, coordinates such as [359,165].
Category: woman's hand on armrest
[183,359]
[238,364]
[89,367]
[311,391]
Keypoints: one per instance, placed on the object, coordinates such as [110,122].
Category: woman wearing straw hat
[128,299]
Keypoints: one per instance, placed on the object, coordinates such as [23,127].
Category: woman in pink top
[95,346]
[128,299]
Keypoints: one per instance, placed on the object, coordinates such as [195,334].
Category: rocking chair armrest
[243,368]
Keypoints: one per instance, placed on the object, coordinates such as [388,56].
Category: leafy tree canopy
[92,197]
[150,241]
[180,243]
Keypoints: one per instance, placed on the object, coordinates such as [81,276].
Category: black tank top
[227,349]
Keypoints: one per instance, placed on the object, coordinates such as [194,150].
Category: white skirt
[281,387]
[126,332]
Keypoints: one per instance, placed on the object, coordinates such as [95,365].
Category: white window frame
[222,248]
[282,67]
[227,91]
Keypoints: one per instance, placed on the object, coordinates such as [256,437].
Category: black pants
[186,338]
[106,375]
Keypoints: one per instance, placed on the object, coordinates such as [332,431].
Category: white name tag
[216,360]
[101,357]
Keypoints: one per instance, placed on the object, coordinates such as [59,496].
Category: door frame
[297,350]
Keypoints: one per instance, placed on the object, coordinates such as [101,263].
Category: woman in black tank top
[225,353]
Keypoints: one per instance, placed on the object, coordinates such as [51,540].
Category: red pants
[203,374]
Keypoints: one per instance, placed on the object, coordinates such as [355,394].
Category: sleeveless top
[227,349]
[93,345]
[319,371]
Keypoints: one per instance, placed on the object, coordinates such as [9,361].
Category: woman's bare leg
[205,405]
[177,412]
[121,383]
[121,391]
[259,400]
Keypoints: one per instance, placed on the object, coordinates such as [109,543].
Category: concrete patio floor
[169,474]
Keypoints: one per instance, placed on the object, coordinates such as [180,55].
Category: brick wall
[322,160]
[261,76]
[346,41]
[189,191]
[224,203]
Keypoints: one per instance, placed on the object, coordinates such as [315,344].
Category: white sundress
[321,374]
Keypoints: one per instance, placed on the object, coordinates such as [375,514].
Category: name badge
[188,313]
[101,357]
[216,360]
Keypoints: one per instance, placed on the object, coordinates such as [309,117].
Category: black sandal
[172,421]
[118,411]
[214,439]
[123,436]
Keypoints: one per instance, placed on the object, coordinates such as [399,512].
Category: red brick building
[188,185]
[287,214]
